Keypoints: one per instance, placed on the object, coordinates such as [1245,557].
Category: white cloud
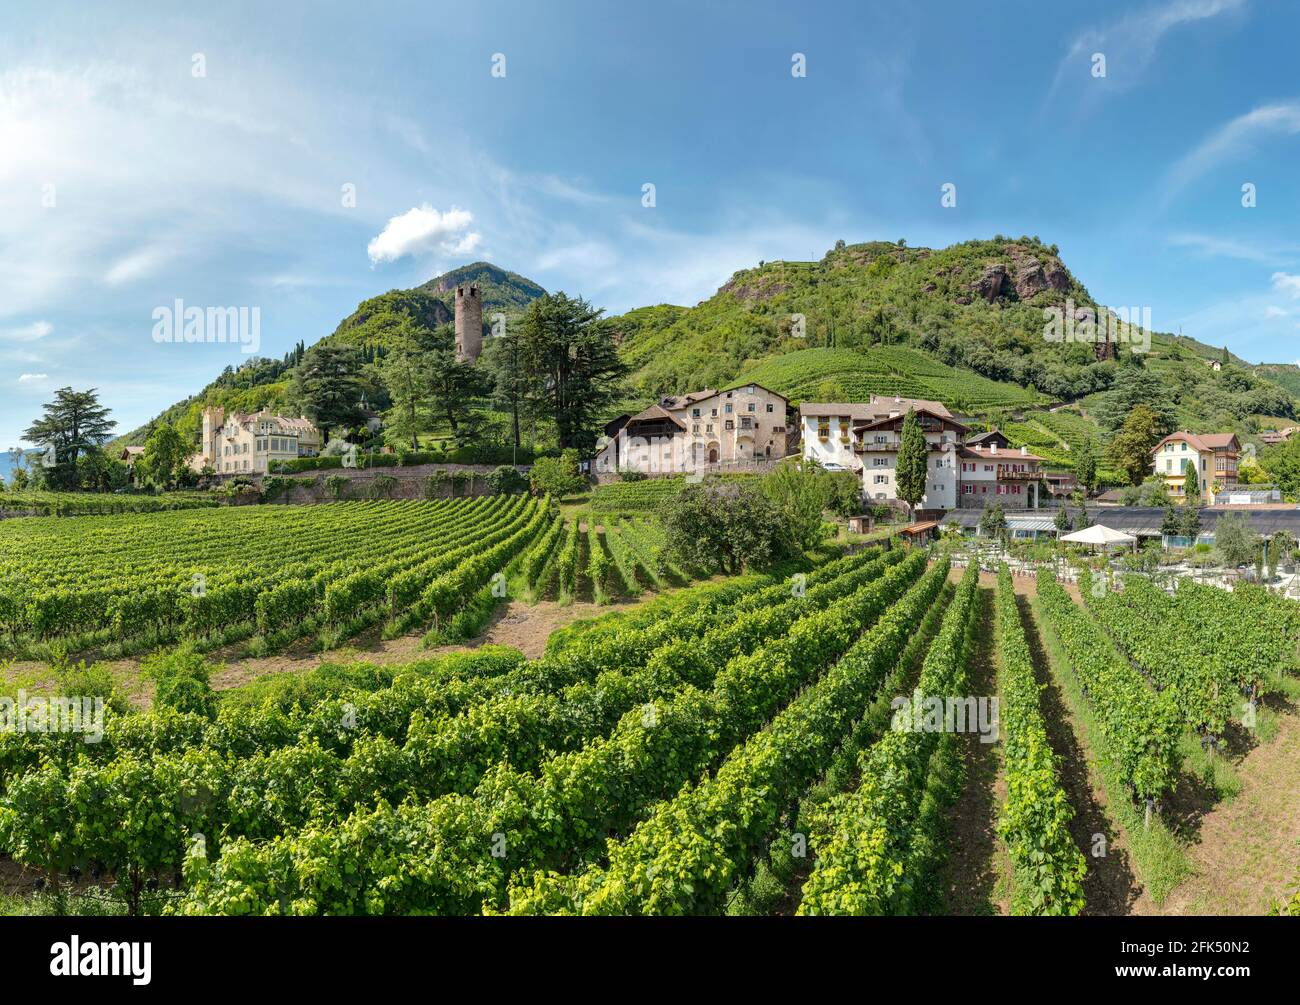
[137,265]
[28,333]
[1286,283]
[1130,43]
[423,230]
[1222,247]
[1234,139]
[28,378]
[1271,312]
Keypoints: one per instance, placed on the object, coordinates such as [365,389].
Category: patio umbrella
[1099,534]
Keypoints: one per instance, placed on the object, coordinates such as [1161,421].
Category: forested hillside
[263,383]
[963,324]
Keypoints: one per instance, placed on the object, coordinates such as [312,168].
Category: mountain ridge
[966,321]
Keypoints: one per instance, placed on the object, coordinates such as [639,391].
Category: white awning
[1099,534]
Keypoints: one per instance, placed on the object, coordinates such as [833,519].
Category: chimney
[1024,450]
[993,448]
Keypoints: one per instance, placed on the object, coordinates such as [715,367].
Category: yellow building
[248,444]
[1212,455]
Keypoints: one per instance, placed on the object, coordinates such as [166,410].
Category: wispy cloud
[1284,282]
[1233,140]
[138,264]
[1129,44]
[30,378]
[33,332]
[1210,246]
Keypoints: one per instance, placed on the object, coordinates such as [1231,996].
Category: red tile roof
[1200,441]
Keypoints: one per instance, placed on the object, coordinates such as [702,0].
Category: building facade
[699,430]
[247,444]
[877,439]
[963,470]
[1212,455]
[826,432]
[993,471]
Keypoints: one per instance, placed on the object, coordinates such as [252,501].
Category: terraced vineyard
[275,572]
[888,370]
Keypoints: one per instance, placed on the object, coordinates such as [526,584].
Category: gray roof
[1140,521]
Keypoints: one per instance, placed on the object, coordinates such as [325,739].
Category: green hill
[500,289]
[853,375]
[262,383]
[963,324]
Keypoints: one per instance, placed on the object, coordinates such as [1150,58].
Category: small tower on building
[469,323]
[213,418]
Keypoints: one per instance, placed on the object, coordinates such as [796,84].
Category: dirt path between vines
[1248,850]
[1110,886]
[524,626]
[977,881]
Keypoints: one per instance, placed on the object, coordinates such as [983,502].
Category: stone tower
[469,323]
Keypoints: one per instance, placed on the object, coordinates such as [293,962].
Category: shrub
[557,476]
[506,480]
[723,525]
[183,681]
[381,486]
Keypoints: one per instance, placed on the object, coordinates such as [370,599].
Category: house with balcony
[826,432]
[991,471]
[1213,456]
[877,438]
[699,430]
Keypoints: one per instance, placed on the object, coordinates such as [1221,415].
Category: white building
[826,431]
[699,430]
[878,438]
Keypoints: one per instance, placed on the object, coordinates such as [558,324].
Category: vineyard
[98,504]
[275,573]
[886,370]
[789,741]
[601,559]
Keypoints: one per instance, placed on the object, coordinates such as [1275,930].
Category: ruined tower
[469,323]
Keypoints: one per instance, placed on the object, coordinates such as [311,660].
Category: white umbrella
[1099,534]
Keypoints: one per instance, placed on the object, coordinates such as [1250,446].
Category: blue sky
[225,188]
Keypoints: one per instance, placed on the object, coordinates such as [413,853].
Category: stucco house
[878,437]
[697,430]
[826,432]
[994,471]
[247,444]
[1212,455]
